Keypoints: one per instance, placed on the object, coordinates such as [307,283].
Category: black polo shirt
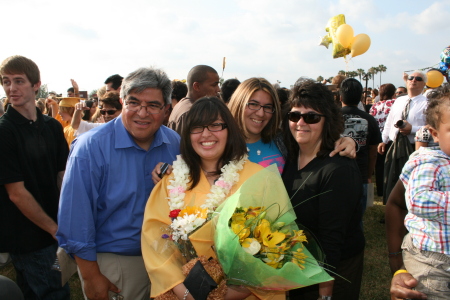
[32,152]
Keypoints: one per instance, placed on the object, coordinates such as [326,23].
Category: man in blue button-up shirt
[107,184]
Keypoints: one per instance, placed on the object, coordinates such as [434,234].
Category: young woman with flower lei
[212,166]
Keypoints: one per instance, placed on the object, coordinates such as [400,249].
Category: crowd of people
[85,175]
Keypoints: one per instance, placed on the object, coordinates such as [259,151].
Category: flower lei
[186,220]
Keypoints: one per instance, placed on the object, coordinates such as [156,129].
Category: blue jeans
[35,275]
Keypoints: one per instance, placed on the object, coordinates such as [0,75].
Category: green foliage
[42,92]
[92,93]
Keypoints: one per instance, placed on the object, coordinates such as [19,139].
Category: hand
[405,77]
[381,148]
[81,106]
[50,101]
[401,285]
[97,288]
[236,292]
[345,147]
[406,129]
[74,84]
[157,170]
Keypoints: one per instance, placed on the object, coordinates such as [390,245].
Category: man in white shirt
[415,118]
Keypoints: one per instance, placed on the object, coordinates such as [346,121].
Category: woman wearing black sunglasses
[324,190]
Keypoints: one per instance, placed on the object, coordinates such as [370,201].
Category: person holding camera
[405,118]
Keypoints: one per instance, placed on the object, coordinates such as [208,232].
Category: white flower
[252,247]
[182,226]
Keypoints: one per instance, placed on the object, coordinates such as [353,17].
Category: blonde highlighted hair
[243,94]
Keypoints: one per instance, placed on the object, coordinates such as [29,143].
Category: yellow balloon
[344,35]
[360,44]
[332,25]
[435,78]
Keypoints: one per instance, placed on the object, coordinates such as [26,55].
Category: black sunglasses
[309,118]
[416,77]
[109,112]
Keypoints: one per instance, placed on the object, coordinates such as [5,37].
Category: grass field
[376,277]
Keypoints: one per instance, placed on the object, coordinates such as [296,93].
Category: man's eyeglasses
[418,78]
[266,108]
[211,127]
[109,112]
[309,118]
[151,108]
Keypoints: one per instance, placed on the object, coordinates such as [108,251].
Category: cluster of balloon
[444,65]
[341,35]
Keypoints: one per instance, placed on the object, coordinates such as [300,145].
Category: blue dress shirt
[105,189]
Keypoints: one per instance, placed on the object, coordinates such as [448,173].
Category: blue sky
[278,40]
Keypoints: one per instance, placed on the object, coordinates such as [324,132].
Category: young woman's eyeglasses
[109,112]
[309,118]
[151,108]
[266,108]
[211,127]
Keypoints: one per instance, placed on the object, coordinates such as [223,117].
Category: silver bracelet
[186,294]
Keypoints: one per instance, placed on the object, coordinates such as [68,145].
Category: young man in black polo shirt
[34,154]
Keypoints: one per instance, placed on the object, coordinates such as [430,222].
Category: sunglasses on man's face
[109,112]
[309,118]
[411,78]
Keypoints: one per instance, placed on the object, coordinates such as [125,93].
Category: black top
[363,128]
[32,152]
[333,217]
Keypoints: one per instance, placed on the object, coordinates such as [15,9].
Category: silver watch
[325,297]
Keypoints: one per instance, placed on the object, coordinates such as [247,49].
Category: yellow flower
[274,259]
[238,217]
[298,258]
[241,231]
[251,246]
[191,210]
[254,211]
[257,233]
[299,237]
[271,239]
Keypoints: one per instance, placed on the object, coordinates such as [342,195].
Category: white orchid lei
[187,219]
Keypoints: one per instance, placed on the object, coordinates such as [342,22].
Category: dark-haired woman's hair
[206,111]
[318,97]
[387,91]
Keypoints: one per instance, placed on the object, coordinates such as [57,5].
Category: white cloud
[89,41]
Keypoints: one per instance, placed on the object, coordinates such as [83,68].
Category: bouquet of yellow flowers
[258,242]
[269,241]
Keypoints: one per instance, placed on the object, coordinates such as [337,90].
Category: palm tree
[373,71]
[352,74]
[366,77]
[360,73]
[381,69]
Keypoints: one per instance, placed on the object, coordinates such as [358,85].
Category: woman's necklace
[218,192]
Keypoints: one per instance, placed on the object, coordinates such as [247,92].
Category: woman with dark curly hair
[325,191]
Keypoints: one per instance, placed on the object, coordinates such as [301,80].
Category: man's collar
[18,118]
